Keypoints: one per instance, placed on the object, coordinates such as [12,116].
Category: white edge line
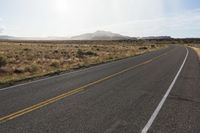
[157,110]
[46,78]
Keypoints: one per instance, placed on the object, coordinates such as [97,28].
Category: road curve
[116,97]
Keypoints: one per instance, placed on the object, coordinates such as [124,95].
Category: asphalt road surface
[157,92]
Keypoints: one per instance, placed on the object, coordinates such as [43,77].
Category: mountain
[43,38]
[157,37]
[5,37]
[100,35]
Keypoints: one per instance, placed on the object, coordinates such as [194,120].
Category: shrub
[153,46]
[55,64]
[90,53]
[143,48]
[4,70]
[3,61]
[27,49]
[55,51]
[32,68]
[19,70]
[81,53]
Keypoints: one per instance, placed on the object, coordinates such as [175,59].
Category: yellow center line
[69,93]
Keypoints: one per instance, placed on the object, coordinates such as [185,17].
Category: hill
[101,35]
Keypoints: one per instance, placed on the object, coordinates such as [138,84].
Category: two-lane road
[155,92]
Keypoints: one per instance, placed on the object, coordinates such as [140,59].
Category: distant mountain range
[98,35]
[157,37]
[4,37]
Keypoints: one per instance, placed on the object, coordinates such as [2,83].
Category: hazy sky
[177,18]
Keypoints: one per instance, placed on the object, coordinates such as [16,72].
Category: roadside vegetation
[25,60]
[196,48]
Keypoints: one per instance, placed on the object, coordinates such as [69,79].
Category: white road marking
[45,78]
[155,113]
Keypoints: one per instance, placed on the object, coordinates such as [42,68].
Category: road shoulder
[197,50]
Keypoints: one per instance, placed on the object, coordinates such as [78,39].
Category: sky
[138,18]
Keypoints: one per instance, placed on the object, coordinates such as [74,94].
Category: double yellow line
[69,93]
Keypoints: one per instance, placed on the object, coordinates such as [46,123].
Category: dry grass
[196,48]
[24,60]
[198,51]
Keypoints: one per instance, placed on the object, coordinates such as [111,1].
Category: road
[157,92]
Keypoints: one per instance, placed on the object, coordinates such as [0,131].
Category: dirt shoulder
[197,50]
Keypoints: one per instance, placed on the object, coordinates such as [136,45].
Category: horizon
[67,18]
[70,37]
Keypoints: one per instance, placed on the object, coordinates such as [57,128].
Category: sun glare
[61,6]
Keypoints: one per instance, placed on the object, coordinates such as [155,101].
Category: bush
[19,70]
[143,48]
[27,49]
[33,68]
[55,51]
[4,70]
[81,53]
[3,61]
[90,53]
[55,64]
[153,46]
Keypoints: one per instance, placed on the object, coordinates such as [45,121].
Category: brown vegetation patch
[21,60]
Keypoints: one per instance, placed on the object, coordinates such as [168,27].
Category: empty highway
[157,92]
